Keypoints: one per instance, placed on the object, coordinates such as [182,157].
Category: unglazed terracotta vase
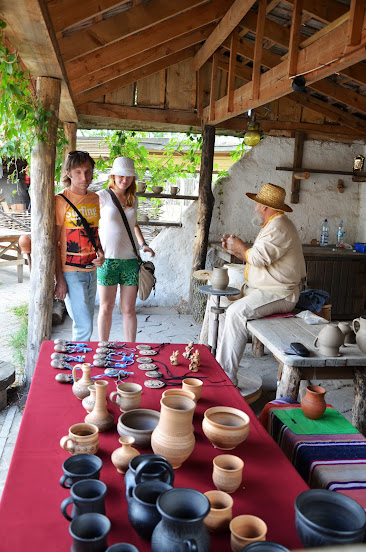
[359,327]
[219,278]
[329,339]
[89,401]
[80,387]
[194,385]
[173,437]
[100,416]
[180,393]
[313,404]
[82,439]
[122,455]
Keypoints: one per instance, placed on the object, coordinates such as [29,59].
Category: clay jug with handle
[359,327]
[80,387]
[313,404]
[100,416]
[329,339]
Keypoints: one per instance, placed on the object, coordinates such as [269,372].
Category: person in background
[121,266]
[274,272]
[78,250]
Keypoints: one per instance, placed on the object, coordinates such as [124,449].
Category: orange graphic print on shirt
[79,250]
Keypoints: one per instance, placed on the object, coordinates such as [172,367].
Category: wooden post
[298,151]
[70,134]
[43,226]
[206,202]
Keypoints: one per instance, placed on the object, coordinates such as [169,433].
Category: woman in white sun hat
[121,266]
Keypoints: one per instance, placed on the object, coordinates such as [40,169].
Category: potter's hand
[233,245]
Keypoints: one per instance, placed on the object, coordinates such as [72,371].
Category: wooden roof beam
[294,37]
[232,67]
[125,24]
[258,48]
[325,11]
[143,41]
[228,23]
[356,17]
[317,61]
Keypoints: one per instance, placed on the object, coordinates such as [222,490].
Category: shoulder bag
[147,278]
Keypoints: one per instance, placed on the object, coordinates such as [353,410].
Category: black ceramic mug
[86,496]
[89,533]
[78,467]
[122,547]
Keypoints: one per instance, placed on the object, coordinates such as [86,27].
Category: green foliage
[19,341]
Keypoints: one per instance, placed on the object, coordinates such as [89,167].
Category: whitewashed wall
[319,199]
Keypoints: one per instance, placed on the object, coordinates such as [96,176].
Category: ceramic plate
[143,360]
[154,383]
[153,374]
[148,367]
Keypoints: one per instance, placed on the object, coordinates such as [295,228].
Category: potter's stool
[217,309]
[7,377]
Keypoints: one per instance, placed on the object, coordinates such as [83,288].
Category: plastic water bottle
[324,236]
[340,235]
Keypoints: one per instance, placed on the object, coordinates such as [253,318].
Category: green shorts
[117,271]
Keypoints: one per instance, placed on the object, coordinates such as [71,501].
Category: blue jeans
[80,301]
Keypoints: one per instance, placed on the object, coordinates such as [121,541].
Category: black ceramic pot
[89,533]
[142,512]
[264,546]
[326,518]
[298,84]
[147,467]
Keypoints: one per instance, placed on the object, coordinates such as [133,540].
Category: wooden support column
[43,226]
[70,134]
[298,151]
[206,202]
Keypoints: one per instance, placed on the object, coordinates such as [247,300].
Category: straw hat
[123,166]
[271,196]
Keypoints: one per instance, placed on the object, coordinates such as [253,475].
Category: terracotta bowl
[225,427]
[140,424]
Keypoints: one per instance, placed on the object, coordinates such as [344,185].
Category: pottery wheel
[154,374]
[154,384]
[143,347]
[144,360]
[147,367]
[148,352]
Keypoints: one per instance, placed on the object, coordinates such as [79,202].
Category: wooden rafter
[228,23]
[258,48]
[137,61]
[319,60]
[213,84]
[125,24]
[294,37]
[144,40]
[133,76]
[356,16]
[232,67]
[323,11]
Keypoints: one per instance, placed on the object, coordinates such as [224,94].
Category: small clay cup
[141,187]
[127,396]
[89,533]
[227,472]
[82,438]
[246,529]
[194,385]
[81,466]
[221,511]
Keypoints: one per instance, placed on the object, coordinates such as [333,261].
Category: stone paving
[154,325]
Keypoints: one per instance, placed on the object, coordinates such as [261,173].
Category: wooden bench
[9,244]
[277,334]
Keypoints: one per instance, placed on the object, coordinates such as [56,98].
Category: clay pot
[82,439]
[220,514]
[225,427]
[194,385]
[313,404]
[227,472]
[329,339]
[173,437]
[100,416]
[142,511]
[246,529]
[219,278]
[179,393]
[127,396]
[25,244]
[359,327]
[140,424]
[89,401]
[147,467]
[122,456]
[80,387]
[348,333]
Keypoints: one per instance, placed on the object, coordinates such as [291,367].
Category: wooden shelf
[158,223]
[166,196]
[322,171]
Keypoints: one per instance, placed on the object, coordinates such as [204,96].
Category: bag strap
[124,218]
[84,222]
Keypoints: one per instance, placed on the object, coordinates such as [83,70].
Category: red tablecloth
[30,506]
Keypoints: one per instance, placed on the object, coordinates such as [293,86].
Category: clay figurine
[174,358]
[188,351]
[195,361]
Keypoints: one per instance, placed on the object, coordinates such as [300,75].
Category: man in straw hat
[273,273]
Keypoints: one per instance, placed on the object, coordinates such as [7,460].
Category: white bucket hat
[123,166]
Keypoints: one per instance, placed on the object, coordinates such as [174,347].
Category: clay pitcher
[329,339]
[122,456]
[313,404]
[359,327]
[147,467]
[80,387]
[173,437]
[100,416]
[220,278]
[348,333]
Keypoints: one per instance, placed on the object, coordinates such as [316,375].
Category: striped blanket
[336,462]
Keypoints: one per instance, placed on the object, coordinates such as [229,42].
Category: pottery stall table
[9,244]
[30,506]
[276,333]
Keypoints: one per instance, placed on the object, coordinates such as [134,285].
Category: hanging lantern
[252,135]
